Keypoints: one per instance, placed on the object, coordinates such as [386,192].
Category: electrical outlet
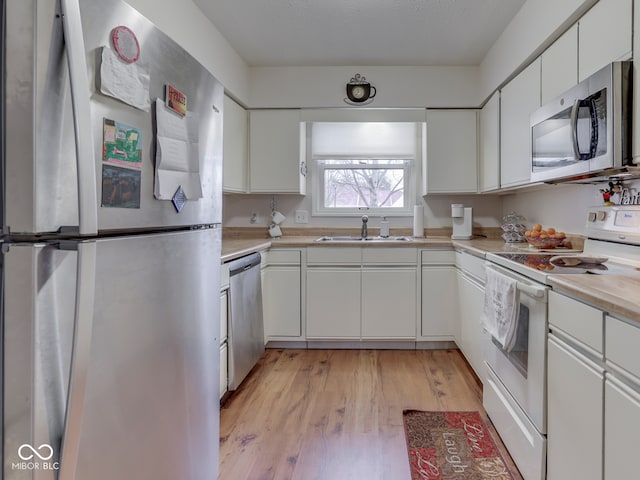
[302,216]
[253,218]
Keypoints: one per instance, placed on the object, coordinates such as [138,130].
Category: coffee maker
[462,221]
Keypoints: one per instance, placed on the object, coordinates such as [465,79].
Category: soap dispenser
[384,228]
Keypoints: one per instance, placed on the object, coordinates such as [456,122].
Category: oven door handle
[534,292]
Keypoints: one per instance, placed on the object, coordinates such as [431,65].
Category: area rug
[452,446]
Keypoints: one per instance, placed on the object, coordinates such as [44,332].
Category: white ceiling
[361,32]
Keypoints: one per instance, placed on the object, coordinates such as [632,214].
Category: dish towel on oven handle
[501,308]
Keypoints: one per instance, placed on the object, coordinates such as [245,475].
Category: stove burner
[542,262]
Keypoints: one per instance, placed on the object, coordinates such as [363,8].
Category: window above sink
[362,167]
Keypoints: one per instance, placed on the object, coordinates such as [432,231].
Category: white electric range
[612,247]
[514,392]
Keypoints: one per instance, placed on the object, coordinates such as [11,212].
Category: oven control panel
[619,223]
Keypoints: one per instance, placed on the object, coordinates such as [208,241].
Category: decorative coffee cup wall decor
[359,91]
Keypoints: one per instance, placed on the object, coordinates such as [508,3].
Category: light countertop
[237,247]
[615,294]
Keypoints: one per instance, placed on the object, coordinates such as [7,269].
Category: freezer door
[131,388]
[42,155]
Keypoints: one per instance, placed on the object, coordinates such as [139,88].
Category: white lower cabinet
[621,427]
[224,318]
[389,303]
[333,303]
[593,392]
[439,302]
[281,295]
[355,293]
[224,365]
[621,398]
[470,291]
[471,295]
[574,416]
[575,389]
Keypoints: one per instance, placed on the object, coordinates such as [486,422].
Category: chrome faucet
[363,233]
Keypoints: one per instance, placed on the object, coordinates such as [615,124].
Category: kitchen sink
[366,239]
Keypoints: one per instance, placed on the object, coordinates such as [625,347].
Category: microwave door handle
[593,113]
[574,129]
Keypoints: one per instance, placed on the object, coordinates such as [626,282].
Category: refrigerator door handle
[87,190]
[82,333]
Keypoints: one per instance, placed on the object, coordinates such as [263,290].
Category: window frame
[318,191]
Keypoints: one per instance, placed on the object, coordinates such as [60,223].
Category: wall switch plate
[302,216]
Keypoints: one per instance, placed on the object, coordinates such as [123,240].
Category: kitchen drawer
[438,257]
[223,369]
[471,264]
[579,320]
[389,256]
[622,341]
[334,256]
[224,276]
[283,257]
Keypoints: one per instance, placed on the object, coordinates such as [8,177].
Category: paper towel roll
[418,221]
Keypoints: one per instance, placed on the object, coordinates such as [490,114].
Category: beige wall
[296,87]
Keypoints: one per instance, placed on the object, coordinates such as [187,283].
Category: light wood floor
[337,414]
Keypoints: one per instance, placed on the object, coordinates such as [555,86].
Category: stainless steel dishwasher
[246,329]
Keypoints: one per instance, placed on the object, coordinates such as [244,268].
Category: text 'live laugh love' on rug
[451,446]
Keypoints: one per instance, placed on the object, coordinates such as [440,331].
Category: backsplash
[238,210]
[563,206]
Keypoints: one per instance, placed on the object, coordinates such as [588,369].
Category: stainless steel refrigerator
[111,210]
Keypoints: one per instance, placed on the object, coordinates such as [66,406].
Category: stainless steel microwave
[587,130]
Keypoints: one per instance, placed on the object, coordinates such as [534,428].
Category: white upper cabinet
[604,36]
[234,175]
[636,84]
[518,99]
[451,164]
[489,164]
[276,152]
[560,65]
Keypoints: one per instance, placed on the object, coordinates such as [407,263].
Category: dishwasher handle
[244,263]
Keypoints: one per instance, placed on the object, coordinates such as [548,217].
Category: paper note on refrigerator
[127,82]
[177,154]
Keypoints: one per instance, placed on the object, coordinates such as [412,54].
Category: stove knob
[601,215]
[591,217]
